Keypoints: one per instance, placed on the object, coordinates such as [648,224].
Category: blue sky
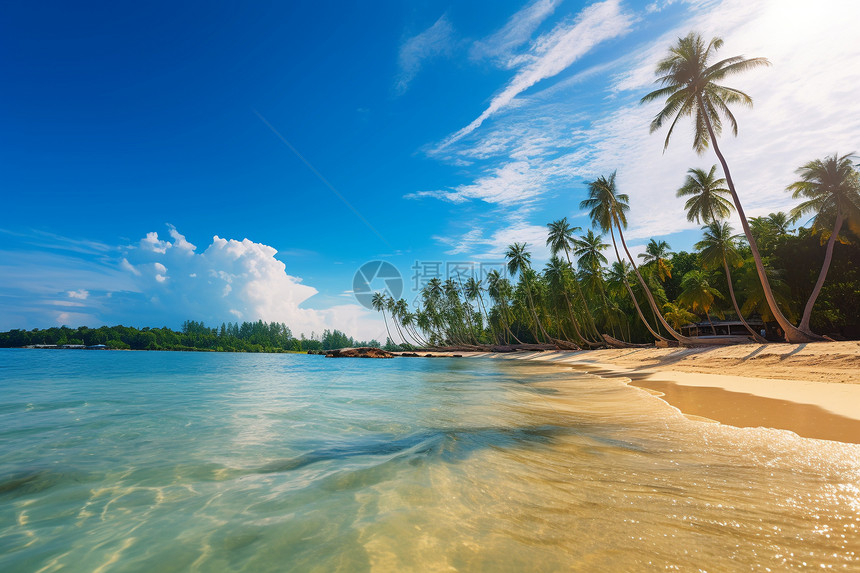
[311,137]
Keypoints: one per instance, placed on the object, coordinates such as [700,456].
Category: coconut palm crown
[707,197]
[691,88]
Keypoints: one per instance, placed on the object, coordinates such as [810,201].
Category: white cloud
[232,279]
[515,32]
[790,124]
[432,42]
[805,107]
[554,52]
[80,294]
[516,182]
[493,247]
[152,243]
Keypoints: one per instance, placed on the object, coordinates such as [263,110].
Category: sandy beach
[810,389]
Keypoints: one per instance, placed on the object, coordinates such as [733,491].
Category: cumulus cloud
[231,280]
[432,42]
[81,294]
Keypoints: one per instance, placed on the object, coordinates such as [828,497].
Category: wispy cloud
[554,52]
[437,40]
[513,183]
[493,246]
[518,30]
[565,137]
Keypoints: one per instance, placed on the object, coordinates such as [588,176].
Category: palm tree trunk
[504,314]
[490,324]
[679,337]
[579,334]
[708,316]
[756,336]
[397,328]
[828,257]
[792,334]
[532,309]
[606,306]
[581,295]
[385,320]
[630,290]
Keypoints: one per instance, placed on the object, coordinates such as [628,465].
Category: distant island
[257,336]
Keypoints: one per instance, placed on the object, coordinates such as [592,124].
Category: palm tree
[395,314]
[657,254]
[474,290]
[608,211]
[718,247]
[678,315]
[558,274]
[378,302]
[697,293]
[560,238]
[407,319]
[499,289]
[519,260]
[755,301]
[588,251]
[707,201]
[831,188]
[691,88]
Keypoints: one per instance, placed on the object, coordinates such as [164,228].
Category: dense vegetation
[801,283]
[230,337]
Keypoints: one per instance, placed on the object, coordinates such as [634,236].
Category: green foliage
[230,337]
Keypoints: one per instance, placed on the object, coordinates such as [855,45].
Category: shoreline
[810,389]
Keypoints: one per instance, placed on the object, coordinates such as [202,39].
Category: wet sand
[810,389]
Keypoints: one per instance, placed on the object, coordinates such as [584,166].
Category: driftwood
[615,343]
[491,348]
[716,341]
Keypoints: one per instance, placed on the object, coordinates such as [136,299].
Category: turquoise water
[158,461]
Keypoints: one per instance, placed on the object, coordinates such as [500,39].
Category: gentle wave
[174,462]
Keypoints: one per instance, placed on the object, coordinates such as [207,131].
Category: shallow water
[151,461]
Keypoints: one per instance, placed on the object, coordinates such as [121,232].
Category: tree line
[257,336]
[800,284]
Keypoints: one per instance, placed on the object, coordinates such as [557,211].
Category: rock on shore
[360,352]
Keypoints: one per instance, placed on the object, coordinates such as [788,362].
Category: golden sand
[810,389]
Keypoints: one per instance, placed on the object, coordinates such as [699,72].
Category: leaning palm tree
[473,289]
[707,197]
[718,247]
[395,310]
[691,88]
[499,289]
[831,188]
[608,211]
[558,275]
[561,238]
[519,260]
[379,303]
